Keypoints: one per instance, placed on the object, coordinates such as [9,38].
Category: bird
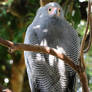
[47,73]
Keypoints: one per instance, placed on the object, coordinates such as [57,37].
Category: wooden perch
[35,48]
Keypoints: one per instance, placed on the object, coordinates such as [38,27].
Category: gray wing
[28,57]
[40,74]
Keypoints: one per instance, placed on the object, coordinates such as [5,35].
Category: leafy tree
[15,16]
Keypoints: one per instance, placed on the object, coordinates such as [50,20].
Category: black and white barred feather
[47,73]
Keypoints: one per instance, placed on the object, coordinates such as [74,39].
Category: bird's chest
[49,34]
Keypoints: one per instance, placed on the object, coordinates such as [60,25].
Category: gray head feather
[43,11]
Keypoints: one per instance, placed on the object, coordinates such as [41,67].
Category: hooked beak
[54,12]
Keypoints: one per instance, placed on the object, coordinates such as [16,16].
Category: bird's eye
[59,10]
[49,9]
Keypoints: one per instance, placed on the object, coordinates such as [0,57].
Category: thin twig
[90,30]
[84,38]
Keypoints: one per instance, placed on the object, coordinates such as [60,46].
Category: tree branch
[88,37]
[35,48]
[89,24]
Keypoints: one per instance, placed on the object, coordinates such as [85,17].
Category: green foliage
[10,30]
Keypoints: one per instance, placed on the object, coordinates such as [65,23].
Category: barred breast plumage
[47,73]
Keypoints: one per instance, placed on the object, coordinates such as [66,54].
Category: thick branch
[84,81]
[36,48]
[52,51]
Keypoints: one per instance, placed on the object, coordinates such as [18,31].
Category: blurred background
[15,16]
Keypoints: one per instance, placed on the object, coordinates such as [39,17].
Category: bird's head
[51,10]
[54,10]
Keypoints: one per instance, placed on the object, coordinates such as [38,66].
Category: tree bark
[17,75]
